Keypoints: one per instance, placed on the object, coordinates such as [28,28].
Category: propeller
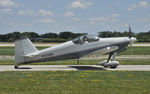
[130,32]
[130,36]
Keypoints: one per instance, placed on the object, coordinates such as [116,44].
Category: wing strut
[114,56]
[109,57]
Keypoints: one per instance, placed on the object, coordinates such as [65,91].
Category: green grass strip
[83,62]
[75,82]
[129,51]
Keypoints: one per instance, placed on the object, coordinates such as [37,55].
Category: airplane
[26,52]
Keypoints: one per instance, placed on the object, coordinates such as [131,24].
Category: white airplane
[26,52]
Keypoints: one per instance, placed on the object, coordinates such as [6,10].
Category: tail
[23,46]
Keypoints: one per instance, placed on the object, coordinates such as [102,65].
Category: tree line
[65,36]
[35,37]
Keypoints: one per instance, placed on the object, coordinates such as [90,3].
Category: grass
[10,50]
[6,50]
[75,82]
[129,51]
[136,51]
[83,62]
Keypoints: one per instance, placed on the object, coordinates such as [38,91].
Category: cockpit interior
[86,38]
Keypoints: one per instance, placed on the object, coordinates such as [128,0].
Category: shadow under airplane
[87,67]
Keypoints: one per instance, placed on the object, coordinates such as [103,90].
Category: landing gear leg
[114,59]
[109,57]
[108,60]
[114,56]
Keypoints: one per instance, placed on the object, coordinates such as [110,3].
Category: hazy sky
[89,16]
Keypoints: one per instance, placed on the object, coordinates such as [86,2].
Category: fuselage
[71,50]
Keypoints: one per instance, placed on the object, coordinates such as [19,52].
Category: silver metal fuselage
[70,50]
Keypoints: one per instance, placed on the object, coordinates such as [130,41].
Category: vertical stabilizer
[23,46]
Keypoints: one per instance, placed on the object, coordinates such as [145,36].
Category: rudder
[23,46]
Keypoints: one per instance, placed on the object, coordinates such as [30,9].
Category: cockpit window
[77,41]
[86,38]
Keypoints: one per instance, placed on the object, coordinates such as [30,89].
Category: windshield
[85,38]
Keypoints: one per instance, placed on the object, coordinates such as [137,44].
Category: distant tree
[34,35]
[105,34]
[50,35]
[3,38]
[30,34]
[26,34]
[70,35]
[10,37]
[78,34]
[16,35]
[126,33]
[143,36]
[66,35]
[114,34]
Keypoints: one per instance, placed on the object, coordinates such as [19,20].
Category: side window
[85,39]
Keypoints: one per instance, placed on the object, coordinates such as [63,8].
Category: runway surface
[73,67]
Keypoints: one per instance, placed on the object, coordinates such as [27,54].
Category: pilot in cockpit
[85,39]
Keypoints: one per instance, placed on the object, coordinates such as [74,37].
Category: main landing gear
[108,63]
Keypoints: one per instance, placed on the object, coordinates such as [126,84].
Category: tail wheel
[113,67]
[16,67]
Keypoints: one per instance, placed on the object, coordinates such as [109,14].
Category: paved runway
[73,67]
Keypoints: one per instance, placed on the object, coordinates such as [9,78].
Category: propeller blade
[130,32]
[130,35]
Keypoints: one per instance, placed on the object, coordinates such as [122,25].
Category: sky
[78,16]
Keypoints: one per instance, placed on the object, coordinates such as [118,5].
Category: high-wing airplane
[26,52]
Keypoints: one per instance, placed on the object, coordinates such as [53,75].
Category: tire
[16,67]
